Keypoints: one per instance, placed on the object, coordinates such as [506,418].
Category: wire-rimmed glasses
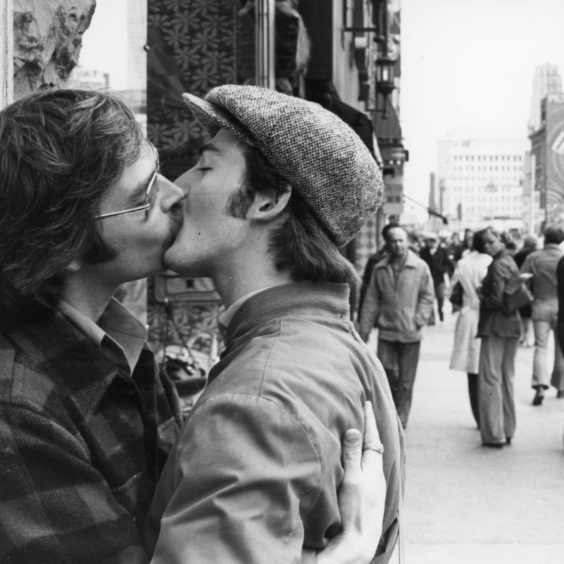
[145,207]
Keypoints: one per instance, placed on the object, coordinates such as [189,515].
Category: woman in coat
[470,272]
[500,332]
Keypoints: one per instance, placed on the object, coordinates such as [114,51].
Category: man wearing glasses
[86,419]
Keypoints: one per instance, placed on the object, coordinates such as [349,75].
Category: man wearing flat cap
[279,187]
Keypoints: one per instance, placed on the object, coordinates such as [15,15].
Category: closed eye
[203,168]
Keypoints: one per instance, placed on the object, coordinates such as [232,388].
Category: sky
[464,63]
[104,45]
[470,63]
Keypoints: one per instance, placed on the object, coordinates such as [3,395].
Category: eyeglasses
[151,187]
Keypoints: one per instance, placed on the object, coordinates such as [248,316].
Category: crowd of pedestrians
[506,294]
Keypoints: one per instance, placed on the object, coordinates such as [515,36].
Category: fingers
[372,447]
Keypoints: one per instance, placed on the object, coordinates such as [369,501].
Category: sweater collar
[294,299]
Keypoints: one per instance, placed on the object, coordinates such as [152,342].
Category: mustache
[176,218]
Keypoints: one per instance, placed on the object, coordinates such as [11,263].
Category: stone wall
[47,41]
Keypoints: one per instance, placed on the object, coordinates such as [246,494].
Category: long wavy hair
[60,151]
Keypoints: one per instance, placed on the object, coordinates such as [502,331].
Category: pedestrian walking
[399,301]
[527,334]
[437,259]
[542,265]
[500,333]
[372,261]
[469,273]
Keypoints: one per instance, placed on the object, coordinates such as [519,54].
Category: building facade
[480,178]
[547,155]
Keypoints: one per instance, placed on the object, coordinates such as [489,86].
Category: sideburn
[239,202]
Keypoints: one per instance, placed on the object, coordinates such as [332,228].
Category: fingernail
[352,438]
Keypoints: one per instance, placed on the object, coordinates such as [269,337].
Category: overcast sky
[465,62]
[104,45]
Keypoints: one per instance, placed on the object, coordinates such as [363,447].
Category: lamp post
[385,80]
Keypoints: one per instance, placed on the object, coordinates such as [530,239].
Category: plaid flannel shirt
[81,447]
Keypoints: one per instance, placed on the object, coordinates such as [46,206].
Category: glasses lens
[152,189]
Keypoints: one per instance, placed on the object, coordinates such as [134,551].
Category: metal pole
[533,172]
[264,73]
[6,52]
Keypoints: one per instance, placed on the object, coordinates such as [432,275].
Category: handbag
[521,297]
[456,296]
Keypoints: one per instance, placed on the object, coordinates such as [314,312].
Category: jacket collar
[295,299]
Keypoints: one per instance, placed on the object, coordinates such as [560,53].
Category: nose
[171,194]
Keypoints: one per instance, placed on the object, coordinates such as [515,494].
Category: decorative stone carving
[47,41]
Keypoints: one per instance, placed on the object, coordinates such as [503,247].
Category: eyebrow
[208,147]
[141,188]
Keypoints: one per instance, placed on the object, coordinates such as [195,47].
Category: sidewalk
[466,504]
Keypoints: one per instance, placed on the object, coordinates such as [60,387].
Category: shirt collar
[118,334]
[409,261]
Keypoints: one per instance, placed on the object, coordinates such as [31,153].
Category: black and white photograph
[281,282]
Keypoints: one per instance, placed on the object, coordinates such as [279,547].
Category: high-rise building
[480,175]
[547,81]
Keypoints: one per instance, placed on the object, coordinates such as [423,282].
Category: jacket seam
[285,412]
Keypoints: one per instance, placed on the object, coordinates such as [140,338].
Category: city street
[466,503]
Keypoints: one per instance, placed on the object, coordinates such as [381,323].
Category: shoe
[508,441]
[539,397]
[560,394]
[494,445]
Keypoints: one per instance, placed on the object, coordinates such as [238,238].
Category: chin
[169,260]
[185,268]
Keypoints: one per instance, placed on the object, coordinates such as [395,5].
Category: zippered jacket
[398,305]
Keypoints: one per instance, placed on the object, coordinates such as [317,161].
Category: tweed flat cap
[323,159]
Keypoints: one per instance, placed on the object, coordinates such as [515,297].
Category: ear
[267,207]
[74,266]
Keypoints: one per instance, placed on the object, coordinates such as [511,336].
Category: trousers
[400,364]
[495,388]
[542,330]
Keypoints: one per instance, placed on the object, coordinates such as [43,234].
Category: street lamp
[385,79]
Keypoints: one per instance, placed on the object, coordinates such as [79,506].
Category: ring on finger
[375,446]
